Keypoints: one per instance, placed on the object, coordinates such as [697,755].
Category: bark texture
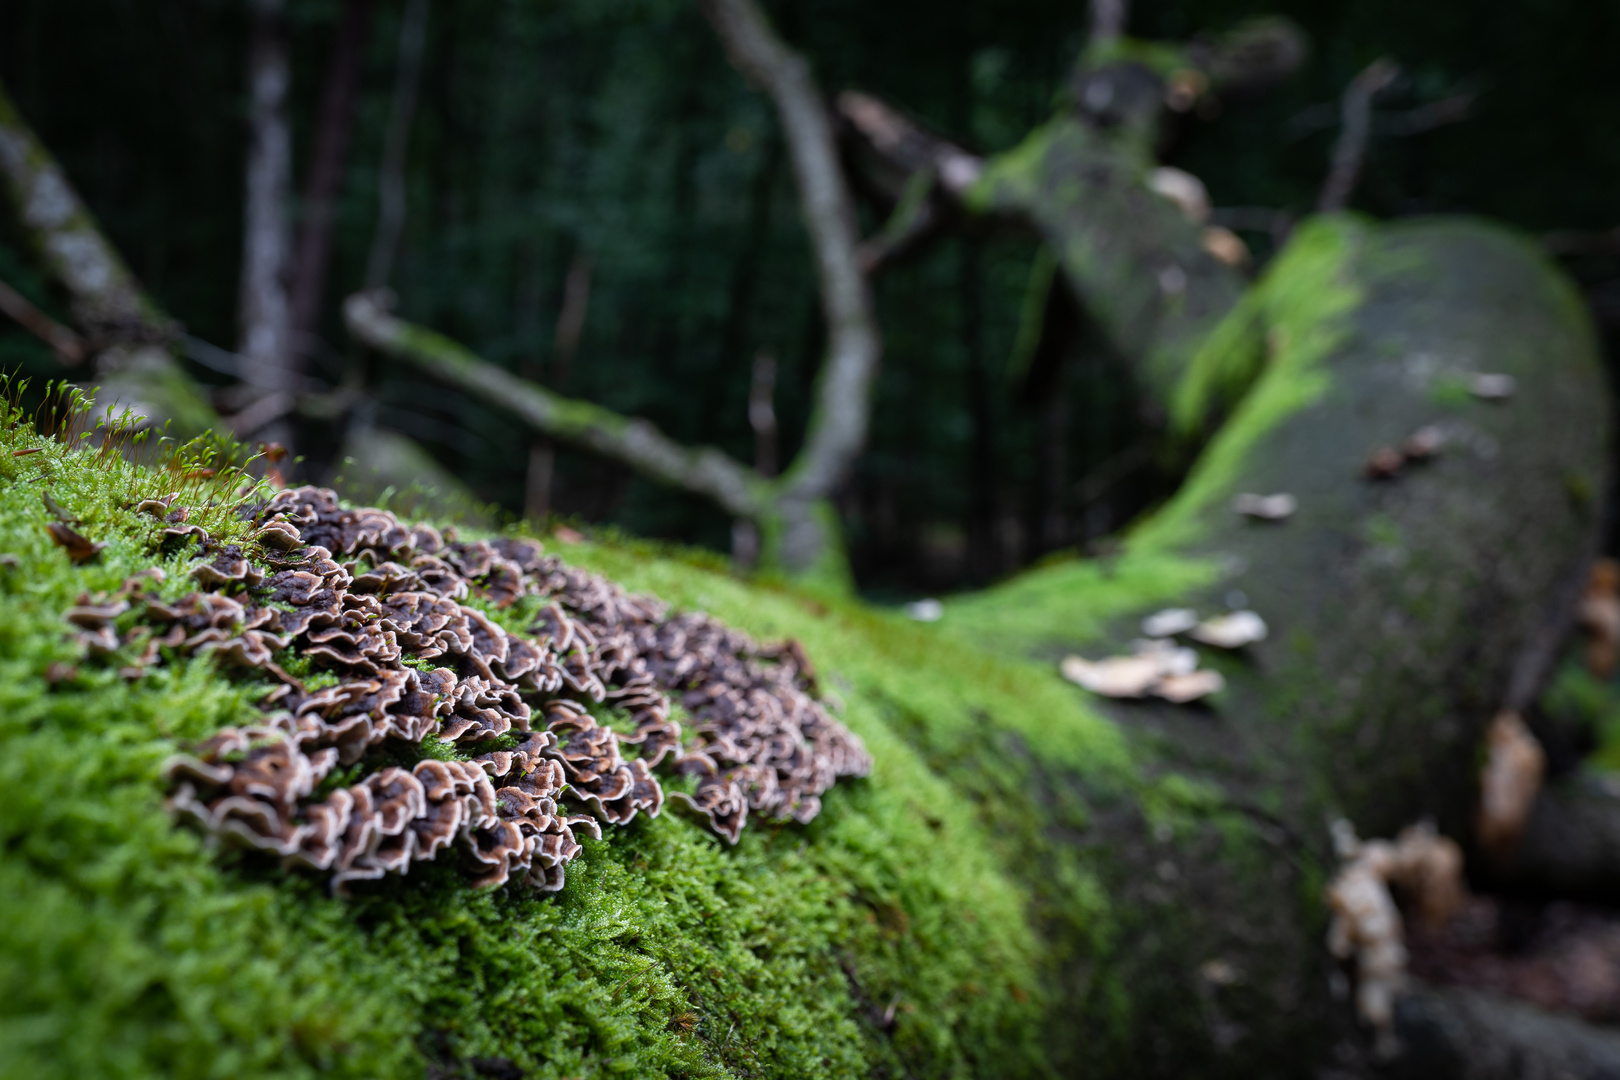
[1403,614]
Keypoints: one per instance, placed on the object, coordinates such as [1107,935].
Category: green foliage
[888,936]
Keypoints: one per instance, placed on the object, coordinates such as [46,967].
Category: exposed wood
[1351,148]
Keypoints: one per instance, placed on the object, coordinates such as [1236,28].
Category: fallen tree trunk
[1403,613]
[1032,882]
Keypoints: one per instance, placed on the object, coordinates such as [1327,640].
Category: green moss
[1300,310]
[130,947]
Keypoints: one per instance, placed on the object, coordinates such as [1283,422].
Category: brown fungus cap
[518,710]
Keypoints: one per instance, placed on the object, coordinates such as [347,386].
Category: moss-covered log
[1031,882]
[1403,612]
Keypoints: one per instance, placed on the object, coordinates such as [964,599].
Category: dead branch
[1356,120]
[67,345]
[839,422]
[636,443]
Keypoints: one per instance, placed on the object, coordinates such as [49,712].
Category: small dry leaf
[1181,689]
[1490,387]
[25,453]
[1170,621]
[1231,631]
[80,548]
[1278,507]
[60,671]
[566,535]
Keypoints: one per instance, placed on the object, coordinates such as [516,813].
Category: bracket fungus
[1508,784]
[1278,507]
[1233,630]
[1157,666]
[382,608]
[1492,387]
[1422,867]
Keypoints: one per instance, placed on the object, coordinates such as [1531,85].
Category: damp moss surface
[891,936]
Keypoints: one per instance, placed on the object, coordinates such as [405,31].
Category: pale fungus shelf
[1158,667]
[404,658]
[1278,507]
[1420,865]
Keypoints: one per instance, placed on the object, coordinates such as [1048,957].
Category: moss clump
[887,937]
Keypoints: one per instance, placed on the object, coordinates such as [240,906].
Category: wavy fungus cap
[412,663]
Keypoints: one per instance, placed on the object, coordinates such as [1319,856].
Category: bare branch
[67,345]
[900,142]
[839,421]
[1351,148]
[636,443]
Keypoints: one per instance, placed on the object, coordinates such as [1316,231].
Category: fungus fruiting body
[1508,784]
[396,613]
[1420,865]
[1278,507]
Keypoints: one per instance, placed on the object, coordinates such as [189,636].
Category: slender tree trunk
[334,127]
[265,313]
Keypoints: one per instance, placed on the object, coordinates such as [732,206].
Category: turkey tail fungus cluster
[510,757]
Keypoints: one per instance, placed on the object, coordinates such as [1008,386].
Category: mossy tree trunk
[1403,614]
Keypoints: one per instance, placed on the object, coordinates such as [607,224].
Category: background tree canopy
[613,140]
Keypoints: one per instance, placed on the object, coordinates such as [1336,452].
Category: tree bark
[839,418]
[1402,614]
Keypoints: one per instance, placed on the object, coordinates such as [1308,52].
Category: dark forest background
[612,135]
